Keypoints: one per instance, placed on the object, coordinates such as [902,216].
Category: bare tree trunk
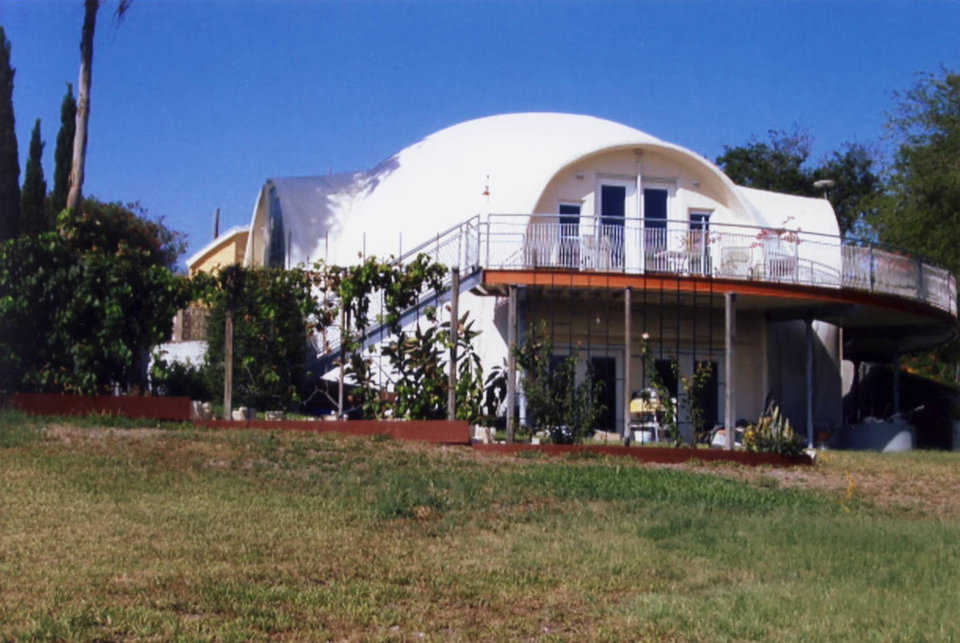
[83,104]
[228,367]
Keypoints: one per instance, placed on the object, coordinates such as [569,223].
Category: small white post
[511,361]
[454,335]
[627,393]
[809,382]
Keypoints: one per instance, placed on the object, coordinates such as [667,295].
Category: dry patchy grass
[126,533]
[923,483]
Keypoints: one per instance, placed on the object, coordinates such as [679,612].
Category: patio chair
[735,261]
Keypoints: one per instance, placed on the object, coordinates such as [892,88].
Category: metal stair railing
[455,247]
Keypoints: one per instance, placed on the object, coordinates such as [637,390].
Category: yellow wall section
[227,253]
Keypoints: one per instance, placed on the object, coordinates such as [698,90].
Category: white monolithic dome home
[624,245]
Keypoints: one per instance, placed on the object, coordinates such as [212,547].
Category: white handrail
[721,250]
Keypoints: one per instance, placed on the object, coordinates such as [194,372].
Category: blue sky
[195,104]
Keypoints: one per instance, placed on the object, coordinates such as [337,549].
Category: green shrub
[773,434]
[569,411]
[81,307]
[178,379]
[274,311]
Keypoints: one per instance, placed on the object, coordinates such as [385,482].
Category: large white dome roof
[493,164]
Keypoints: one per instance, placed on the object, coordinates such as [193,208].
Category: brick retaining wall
[134,406]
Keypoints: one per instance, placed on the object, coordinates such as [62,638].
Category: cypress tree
[33,215]
[63,156]
[9,159]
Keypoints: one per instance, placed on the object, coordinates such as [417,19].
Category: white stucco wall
[523,164]
[695,187]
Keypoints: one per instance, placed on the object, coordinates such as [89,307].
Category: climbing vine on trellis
[417,366]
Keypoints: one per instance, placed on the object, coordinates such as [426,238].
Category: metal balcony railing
[728,251]
[457,246]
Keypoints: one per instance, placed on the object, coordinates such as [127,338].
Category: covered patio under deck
[780,341]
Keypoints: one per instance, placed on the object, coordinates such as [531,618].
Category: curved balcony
[722,251]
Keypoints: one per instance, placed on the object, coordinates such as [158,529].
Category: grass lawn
[124,532]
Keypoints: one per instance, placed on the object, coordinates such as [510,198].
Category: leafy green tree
[920,207]
[81,307]
[9,156]
[778,165]
[274,312]
[782,164]
[421,376]
[33,213]
[856,184]
[920,210]
[115,227]
[568,410]
[417,373]
[63,156]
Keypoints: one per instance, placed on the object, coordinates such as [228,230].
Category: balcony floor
[876,325]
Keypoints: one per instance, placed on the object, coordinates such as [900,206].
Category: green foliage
[693,387]
[178,379]
[856,184]
[421,384]
[773,434]
[417,358]
[667,416]
[356,286]
[478,400]
[80,308]
[420,372]
[33,211]
[568,410]
[920,209]
[942,365]
[494,396]
[123,230]
[63,156]
[274,312]
[417,368]
[782,165]
[777,165]
[9,157]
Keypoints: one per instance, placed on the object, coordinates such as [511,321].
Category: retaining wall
[134,406]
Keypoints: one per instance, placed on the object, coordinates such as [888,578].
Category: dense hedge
[81,307]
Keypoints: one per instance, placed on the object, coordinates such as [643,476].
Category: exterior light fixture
[825,185]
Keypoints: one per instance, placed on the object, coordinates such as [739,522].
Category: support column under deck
[896,384]
[511,362]
[627,385]
[855,389]
[228,367]
[729,411]
[454,336]
[809,382]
